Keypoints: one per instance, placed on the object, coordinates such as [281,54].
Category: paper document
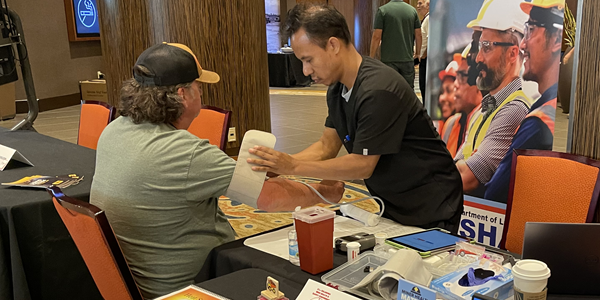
[348,226]
[317,291]
[192,292]
[246,184]
[276,242]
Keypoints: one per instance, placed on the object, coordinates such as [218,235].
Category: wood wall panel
[314,1]
[346,8]
[363,24]
[125,33]
[586,113]
[229,37]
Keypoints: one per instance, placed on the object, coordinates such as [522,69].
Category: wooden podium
[7,101]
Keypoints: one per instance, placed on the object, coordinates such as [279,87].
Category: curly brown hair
[154,104]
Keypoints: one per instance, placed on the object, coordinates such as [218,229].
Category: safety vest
[546,113]
[451,132]
[439,126]
[473,115]
[480,127]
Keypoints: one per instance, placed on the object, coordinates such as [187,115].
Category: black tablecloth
[38,259]
[247,284]
[285,70]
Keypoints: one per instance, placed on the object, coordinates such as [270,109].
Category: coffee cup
[530,276]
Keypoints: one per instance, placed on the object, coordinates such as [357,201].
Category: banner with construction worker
[492,81]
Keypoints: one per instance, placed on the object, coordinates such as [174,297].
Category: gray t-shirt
[159,187]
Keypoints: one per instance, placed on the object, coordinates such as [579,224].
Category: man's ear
[557,45]
[335,44]
[183,94]
[514,53]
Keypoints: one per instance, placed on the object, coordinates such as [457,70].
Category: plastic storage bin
[351,273]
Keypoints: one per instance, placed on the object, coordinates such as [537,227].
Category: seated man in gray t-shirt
[159,184]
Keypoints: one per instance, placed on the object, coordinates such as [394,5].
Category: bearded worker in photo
[499,61]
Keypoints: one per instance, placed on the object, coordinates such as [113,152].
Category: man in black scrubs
[378,118]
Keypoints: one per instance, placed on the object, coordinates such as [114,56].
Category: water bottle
[294,257]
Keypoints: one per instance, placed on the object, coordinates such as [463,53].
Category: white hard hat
[449,71]
[500,15]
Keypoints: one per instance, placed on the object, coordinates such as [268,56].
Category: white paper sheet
[317,291]
[246,184]
[276,242]
[7,153]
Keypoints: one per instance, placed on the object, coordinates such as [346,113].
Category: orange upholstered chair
[98,246]
[211,124]
[549,186]
[95,116]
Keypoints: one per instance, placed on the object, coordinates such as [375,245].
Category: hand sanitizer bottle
[293,248]
[294,257]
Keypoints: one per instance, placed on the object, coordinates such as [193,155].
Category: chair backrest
[96,241]
[212,124]
[95,115]
[547,186]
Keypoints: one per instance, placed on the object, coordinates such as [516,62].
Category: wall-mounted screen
[86,18]
[82,20]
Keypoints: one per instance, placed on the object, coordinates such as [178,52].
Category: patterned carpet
[248,221]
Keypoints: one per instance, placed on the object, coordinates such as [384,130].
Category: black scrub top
[415,176]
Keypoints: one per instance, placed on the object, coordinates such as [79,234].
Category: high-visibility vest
[439,126]
[480,127]
[546,113]
[473,115]
[451,132]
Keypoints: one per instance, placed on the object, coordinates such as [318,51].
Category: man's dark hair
[548,16]
[320,22]
[552,34]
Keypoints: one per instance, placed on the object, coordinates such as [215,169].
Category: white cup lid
[353,245]
[380,238]
[531,269]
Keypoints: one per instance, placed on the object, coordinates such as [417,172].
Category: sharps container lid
[313,214]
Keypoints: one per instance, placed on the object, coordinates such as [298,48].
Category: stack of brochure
[39,181]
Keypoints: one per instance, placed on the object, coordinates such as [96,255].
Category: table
[248,284]
[285,70]
[235,256]
[38,259]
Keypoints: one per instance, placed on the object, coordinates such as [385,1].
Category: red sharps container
[314,226]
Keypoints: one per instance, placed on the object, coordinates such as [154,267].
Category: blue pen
[347,139]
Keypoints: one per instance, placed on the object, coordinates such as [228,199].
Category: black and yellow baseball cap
[172,64]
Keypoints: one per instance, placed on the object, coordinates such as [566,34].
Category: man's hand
[272,161]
